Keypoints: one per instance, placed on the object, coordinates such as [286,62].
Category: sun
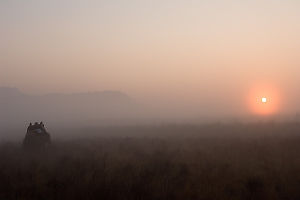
[264,100]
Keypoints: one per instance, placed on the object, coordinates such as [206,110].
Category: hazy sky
[188,52]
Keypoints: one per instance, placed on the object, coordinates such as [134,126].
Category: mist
[160,99]
[179,59]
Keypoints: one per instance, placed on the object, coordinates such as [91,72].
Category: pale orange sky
[186,53]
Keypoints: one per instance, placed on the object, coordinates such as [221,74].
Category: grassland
[237,161]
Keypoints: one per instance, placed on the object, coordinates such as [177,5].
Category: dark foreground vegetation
[258,161]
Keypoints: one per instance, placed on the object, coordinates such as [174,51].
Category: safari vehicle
[36,136]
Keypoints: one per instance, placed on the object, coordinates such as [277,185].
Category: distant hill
[93,107]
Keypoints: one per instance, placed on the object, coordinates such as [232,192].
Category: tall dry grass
[258,161]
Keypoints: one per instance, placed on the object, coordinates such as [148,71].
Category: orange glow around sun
[264,100]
